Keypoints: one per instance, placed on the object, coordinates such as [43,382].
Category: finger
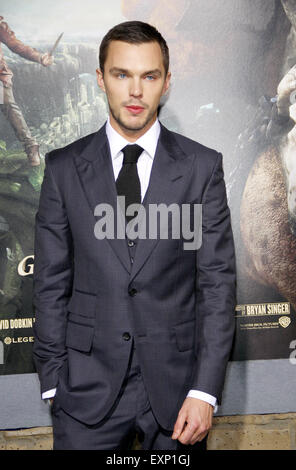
[198,437]
[179,425]
[187,434]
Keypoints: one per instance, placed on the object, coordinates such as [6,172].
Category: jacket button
[126,336]
[130,243]
[132,292]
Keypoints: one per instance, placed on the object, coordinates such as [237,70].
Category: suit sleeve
[215,288]
[52,280]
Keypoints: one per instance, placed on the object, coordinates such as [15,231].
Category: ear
[100,79]
[166,84]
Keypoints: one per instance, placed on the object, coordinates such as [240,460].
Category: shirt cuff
[49,394]
[204,397]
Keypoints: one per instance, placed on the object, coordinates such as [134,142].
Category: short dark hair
[133,32]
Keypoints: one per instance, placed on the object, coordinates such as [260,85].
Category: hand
[194,421]
[46,59]
[51,401]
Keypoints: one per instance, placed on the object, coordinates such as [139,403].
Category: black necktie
[128,182]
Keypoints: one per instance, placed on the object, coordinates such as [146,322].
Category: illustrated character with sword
[8,105]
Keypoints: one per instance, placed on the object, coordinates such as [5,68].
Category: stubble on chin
[127,126]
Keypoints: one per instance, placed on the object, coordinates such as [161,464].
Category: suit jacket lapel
[94,167]
[166,185]
[170,166]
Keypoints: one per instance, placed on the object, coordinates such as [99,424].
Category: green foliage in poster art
[15,170]
[2,146]
[19,197]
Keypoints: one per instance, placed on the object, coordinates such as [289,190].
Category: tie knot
[131,153]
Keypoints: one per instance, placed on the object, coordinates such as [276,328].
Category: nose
[136,89]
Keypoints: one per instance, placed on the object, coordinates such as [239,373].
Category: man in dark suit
[132,334]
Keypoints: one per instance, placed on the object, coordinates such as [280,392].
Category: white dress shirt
[148,142]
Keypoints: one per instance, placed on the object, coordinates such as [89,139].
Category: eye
[150,77]
[121,75]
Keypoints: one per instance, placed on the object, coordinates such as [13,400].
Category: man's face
[134,81]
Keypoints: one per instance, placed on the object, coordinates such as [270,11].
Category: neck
[131,135]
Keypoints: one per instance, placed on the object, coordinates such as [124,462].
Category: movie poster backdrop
[233,89]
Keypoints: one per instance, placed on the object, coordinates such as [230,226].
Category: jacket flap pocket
[82,303]
[185,333]
[79,336]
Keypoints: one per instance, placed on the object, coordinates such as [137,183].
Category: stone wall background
[249,432]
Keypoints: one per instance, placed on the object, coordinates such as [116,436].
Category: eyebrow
[149,72]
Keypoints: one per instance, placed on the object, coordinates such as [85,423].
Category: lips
[135,109]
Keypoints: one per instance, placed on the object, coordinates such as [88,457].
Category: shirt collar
[148,141]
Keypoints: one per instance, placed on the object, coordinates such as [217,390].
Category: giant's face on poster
[233,89]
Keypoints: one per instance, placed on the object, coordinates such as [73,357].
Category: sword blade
[55,44]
